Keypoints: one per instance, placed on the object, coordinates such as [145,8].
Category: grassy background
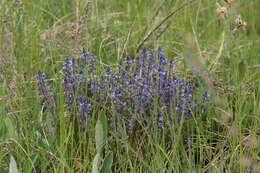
[38,34]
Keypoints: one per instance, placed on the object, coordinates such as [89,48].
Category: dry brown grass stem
[184,5]
[155,15]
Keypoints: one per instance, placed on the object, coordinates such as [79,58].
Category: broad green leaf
[13,166]
[99,136]
[103,120]
[106,168]
[95,163]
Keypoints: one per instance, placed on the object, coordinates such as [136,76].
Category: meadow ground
[221,39]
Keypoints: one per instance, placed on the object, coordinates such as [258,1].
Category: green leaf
[99,136]
[104,123]
[106,168]
[100,139]
[13,166]
[95,163]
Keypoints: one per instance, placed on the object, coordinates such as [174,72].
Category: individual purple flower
[127,61]
[161,57]
[116,93]
[84,109]
[84,53]
[205,96]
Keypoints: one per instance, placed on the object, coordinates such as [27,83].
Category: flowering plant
[146,89]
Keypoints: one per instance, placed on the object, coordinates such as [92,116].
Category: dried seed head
[222,11]
[229,3]
[239,22]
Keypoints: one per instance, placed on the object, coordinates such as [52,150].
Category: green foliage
[101,132]
[39,34]
[100,140]
[106,168]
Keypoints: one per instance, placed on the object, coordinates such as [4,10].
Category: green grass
[39,34]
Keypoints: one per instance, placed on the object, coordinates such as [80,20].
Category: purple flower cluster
[47,97]
[145,88]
